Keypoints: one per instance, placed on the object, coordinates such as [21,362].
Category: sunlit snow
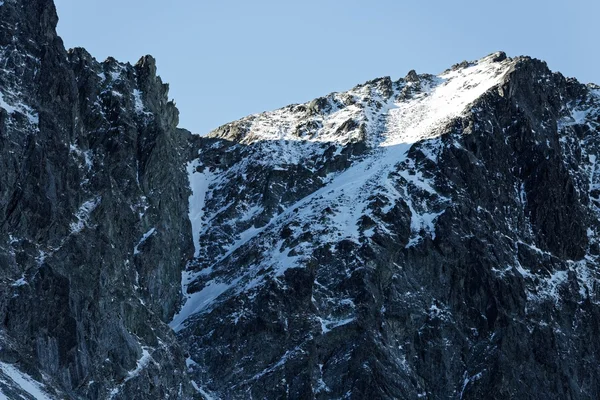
[13,377]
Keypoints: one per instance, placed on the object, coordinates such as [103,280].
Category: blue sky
[227,59]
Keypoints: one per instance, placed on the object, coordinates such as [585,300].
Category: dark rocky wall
[91,162]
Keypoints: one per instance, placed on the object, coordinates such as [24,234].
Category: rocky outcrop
[94,228]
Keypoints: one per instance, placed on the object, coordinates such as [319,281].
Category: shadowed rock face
[94,230]
[431,237]
[373,244]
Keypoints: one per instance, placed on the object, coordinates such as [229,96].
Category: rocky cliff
[429,237]
[94,228]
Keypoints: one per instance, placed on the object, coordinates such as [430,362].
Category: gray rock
[92,161]
[412,76]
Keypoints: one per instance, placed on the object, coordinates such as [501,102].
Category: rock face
[432,237]
[94,227]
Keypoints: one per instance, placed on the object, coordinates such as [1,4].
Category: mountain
[430,237]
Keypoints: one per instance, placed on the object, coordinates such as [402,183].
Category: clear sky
[225,59]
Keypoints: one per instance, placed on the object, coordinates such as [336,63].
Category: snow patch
[468,380]
[199,184]
[549,287]
[19,282]
[83,214]
[327,325]
[142,363]
[581,114]
[189,363]
[138,103]
[86,155]
[444,98]
[288,355]
[3,104]
[11,376]
[207,396]
[142,240]
[19,107]
[116,75]
[198,301]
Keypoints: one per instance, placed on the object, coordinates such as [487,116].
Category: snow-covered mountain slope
[15,384]
[378,236]
[390,122]
[411,109]
[431,237]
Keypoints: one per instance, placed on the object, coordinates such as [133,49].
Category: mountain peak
[443,220]
[408,108]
